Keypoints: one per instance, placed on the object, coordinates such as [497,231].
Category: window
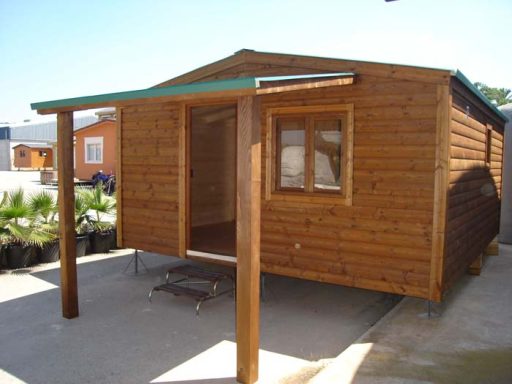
[93,150]
[311,151]
[22,153]
[488,145]
[42,154]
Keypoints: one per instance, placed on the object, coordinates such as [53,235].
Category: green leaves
[92,206]
[500,96]
[19,220]
[32,220]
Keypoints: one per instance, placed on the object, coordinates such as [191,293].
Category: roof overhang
[464,80]
[212,89]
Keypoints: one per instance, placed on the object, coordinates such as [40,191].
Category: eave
[212,89]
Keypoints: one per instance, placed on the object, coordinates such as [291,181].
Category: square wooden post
[66,201]
[248,238]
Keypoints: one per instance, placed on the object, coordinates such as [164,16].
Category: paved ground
[121,338]
[470,342]
[28,180]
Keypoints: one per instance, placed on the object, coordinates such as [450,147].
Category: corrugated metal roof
[46,131]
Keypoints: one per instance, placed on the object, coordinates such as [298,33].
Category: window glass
[292,153]
[94,152]
[98,152]
[328,154]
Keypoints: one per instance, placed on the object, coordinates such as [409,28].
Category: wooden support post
[66,203]
[475,267]
[248,238]
[119,178]
[441,178]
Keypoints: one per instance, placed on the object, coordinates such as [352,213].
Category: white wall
[5,155]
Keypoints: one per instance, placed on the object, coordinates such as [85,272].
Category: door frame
[187,174]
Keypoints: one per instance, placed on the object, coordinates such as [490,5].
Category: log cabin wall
[475,181]
[384,240]
[149,167]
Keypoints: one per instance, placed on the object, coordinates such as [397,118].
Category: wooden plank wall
[384,240]
[475,189]
[150,167]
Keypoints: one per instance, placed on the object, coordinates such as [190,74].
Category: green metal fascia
[464,80]
[173,90]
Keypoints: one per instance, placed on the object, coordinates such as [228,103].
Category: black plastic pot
[19,256]
[81,244]
[3,262]
[49,252]
[113,244]
[100,241]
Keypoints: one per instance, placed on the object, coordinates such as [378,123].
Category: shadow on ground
[121,337]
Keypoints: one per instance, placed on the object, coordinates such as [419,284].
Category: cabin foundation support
[66,201]
[248,238]
[475,267]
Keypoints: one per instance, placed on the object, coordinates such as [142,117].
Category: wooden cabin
[30,156]
[370,175]
[95,149]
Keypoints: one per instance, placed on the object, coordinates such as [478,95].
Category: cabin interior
[212,175]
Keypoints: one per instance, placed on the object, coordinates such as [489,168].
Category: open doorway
[212,180]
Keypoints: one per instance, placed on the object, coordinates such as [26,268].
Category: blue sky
[58,49]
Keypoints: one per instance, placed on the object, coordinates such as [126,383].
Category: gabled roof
[240,74]
[33,146]
[310,64]
[100,122]
[280,61]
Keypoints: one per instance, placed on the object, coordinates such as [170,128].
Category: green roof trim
[173,90]
[464,80]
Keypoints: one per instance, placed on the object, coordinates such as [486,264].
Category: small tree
[500,96]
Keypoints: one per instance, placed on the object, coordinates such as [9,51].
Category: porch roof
[218,88]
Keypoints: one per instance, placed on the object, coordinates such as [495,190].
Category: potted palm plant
[19,230]
[103,209]
[82,219]
[44,206]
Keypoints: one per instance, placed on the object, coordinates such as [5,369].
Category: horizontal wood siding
[149,159]
[384,240]
[474,189]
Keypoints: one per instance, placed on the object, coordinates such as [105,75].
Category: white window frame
[89,141]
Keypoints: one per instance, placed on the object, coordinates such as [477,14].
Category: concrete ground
[122,338]
[469,342]
[28,180]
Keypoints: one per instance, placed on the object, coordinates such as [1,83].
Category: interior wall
[213,164]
